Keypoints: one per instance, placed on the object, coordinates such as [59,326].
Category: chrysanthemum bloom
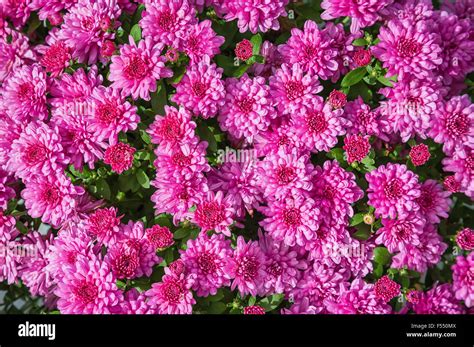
[434,201]
[362,57]
[424,255]
[159,237]
[357,147]
[56,56]
[293,220]
[88,287]
[248,107]
[461,8]
[244,50]
[25,93]
[463,279]
[172,55]
[453,123]
[51,198]
[363,14]
[112,114]
[359,298]
[9,260]
[6,192]
[17,12]
[177,267]
[207,258]
[412,10]
[119,157]
[393,190]
[413,296]
[419,154]
[87,25]
[284,265]
[214,212]
[291,88]
[285,173]
[276,138]
[167,21]
[50,8]
[451,185]
[175,127]
[132,255]
[172,295]
[240,181]
[14,53]
[254,309]
[318,125]
[38,151]
[199,40]
[334,191]
[104,225]
[108,49]
[272,60]
[312,48]
[354,256]
[247,268]
[135,302]
[462,163]
[9,132]
[408,48]
[201,89]
[138,67]
[409,107]
[337,99]
[255,15]
[363,120]
[438,300]
[465,239]
[70,90]
[386,289]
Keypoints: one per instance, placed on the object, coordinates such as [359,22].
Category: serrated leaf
[143,179]
[136,33]
[353,77]
[381,255]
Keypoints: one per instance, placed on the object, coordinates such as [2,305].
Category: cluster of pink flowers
[280,221]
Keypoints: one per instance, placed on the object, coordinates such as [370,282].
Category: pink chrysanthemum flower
[357,147]
[312,48]
[87,25]
[207,258]
[293,220]
[254,309]
[72,91]
[247,268]
[465,239]
[393,190]
[104,225]
[285,173]
[51,198]
[38,151]
[386,289]
[409,107]
[88,287]
[408,48]
[453,123]
[9,132]
[6,192]
[200,40]
[159,237]
[50,8]
[337,99]
[25,93]
[175,128]
[240,182]
[56,55]
[461,8]
[255,15]
[438,300]
[167,21]
[14,53]
[462,164]
[419,154]
[119,157]
[291,88]
[112,114]
[276,138]
[135,302]
[138,67]
[214,212]
[362,57]
[272,60]
[451,185]
[363,120]
[248,108]
[412,10]
[244,50]
[363,14]
[201,89]
[9,260]
[434,201]
[463,279]
[172,295]
[359,298]
[317,125]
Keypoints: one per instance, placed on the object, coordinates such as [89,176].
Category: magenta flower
[88,287]
[386,289]
[56,56]
[337,99]
[356,147]
[138,67]
[50,8]
[462,163]
[244,50]
[119,157]
[207,258]
[419,154]
[214,212]
[104,225]
[363,120]
[159,237]
[200,40]
[465,239]
[463,280]
[135,302]
[255,309]
[248,108]
[438,300]
[201,89]
[434,201]
[70,92]
[393,190]
[9,260]
[14,53]
[175,128]
[6,192]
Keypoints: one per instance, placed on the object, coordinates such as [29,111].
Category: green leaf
[136,33]
[381,255]
[385,81]
[219,296]
[353,77]
[363,232]
[125,182]
[181,233]
[225,62]
[143,179]
[357,219]
[271,303]
[145,137]
[336,153]
[256,41]
[360,42]
[259,59]
[206,134]
[252,300]
[241,70]
[378,271]
[103,189]
[159,99]
[21,227]
[217,308]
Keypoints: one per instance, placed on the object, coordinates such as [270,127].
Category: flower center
[247,268]
[106,113]
[211,213]
[426,200]
[246,104]
[408,48]
[127,262]
[25,91]
[35,154]
[292,217]
[181,160]
[294,90]
[316,122]
[56,56]
[136,68]
[199,89]
[275,269]
[86,292]
[309,52]
[172,291]
[88,23]
[207,263]
[51,195]
[166,20]
[393,189]
[365,118]
[457,124]
[403,230]
[285,174]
